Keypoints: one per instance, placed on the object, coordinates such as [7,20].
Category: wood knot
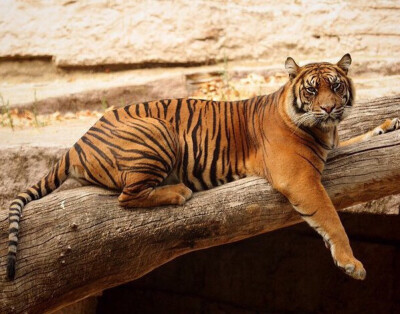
[74,226]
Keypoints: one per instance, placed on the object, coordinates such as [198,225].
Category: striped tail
[57,175]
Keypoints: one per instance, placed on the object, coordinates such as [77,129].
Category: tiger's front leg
[311,201]
[388,126]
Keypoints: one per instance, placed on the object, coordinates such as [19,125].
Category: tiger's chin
[329,123]
[325,125]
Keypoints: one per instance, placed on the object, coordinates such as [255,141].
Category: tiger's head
[321,94]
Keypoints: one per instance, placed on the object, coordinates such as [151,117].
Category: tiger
[160,152]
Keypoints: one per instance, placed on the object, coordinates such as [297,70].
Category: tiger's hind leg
[147,162]
[176,194]
[388,126]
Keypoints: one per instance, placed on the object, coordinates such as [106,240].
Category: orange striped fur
[157,153]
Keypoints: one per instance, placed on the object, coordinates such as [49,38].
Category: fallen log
[79,242]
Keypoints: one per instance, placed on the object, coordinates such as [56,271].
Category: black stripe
[351,98]
[320,173]
[228,137]
[80,153]
[316,153]
[165,106]
[316,139]
[163,133]
[38,189]
[185,160]
[295,106]
[232,113]
[149,172]
[56,178]
[189,122]
[102,119]
[104,141]
[172,139]
[223,160]
[205,151]
[242,132]
[133,139]
[31,195]
[146,108]
[126,108]
[99,151]
[66,170]
[23,199]
[307,215]
[146,183]
[178,113]
[308,143]
[15,203]
[12,242]
[106,171]
[151,138]
[197,154]
[214,120]
[229,176]
[13,230]
[95,129]
[46,184]
[115,112]
[213,168]
[140,165]
[143,155]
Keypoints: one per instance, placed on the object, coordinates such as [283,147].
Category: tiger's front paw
[388,126]
[353,268]
[356,271]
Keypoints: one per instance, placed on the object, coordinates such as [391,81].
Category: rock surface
[81,33]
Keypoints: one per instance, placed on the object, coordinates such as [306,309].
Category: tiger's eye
[311,90]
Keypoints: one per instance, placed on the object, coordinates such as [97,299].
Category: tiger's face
[321,93]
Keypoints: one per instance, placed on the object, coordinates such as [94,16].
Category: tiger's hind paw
[184,191]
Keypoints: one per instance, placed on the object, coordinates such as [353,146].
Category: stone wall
[92,33]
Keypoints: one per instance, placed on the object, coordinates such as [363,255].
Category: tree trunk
[79,242]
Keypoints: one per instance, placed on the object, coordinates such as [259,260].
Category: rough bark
[76,243]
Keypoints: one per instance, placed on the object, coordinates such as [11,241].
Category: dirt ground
[35,81]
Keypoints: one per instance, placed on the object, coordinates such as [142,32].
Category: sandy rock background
[92,33]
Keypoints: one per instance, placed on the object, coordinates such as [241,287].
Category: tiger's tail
[56,176]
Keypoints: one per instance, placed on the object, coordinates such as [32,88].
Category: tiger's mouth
[319,118]
[328,120]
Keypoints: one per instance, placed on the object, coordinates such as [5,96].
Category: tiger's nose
[327,108]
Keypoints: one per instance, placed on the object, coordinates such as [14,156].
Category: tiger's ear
[292,67]
[344,63]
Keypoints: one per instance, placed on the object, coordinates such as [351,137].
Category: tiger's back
[209,141]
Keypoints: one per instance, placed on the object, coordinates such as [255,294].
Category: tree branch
[76,243]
